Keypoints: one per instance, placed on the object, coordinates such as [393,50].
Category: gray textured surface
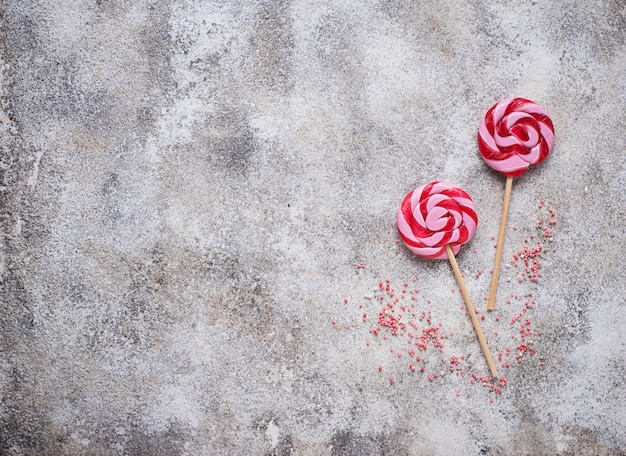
[187,189]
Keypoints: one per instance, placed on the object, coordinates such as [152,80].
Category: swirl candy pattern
[514,134]
[435,215]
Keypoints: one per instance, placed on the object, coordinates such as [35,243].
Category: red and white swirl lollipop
[514,134]
[434,221]
[436,215]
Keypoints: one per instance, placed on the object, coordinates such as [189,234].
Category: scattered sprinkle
[398,316]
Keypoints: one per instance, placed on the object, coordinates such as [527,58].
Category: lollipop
[434,221]
[514,134]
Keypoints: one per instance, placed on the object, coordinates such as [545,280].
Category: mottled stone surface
[188,187]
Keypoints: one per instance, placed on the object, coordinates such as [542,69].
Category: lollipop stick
[496,264]
[472,312]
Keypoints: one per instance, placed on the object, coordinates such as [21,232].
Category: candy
[434,221]
[435,215]
[514,134]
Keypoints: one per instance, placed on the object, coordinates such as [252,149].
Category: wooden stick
[500,244]
[472,312]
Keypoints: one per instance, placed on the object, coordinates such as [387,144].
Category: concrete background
[191,189]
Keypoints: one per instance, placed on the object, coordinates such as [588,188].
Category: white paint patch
[32,180]
[582,392]
[273,433]
[537,66]
[177,403]
[210,35]
[393,80]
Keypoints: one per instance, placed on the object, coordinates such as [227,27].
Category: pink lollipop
[434,221]
[514,134]
[436,215]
